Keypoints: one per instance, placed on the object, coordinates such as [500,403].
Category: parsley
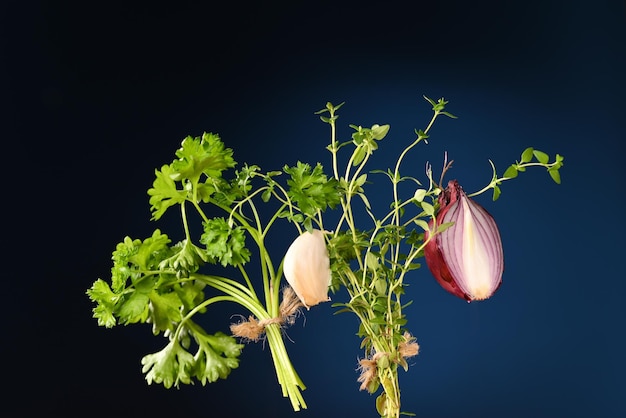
[224,244]
[310,189]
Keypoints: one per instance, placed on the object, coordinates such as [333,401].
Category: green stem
[333,143]
[396,180]
[198,308]
[183,212]
[245,276]
[396,172]
[287,376]
[391,387]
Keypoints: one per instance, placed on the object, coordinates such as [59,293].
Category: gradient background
[97,95]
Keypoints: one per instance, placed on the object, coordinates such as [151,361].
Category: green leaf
[202,155]
[101,293]
[187,258]
[170,366]
[164,193]
[365,200]
[442,227]
[542,157]
[439,106]
[365,141]
[431,101]
[421,135]
[371,261]
[191,294]
[134,307]
[330,108]
[150,252]
[361,180]
[527,155]
[496,192]
[415,238]
[127,297]
[511,172]
[204,191]
[422,224]
[224,344]
[225,244]
[359,155]
[448,114]
[216,357]
[165,311]
[242,182]
[380,285]
[104,315]
[132,256]
[379,132]
[381,404]
[381,307]
[419,195]
[555,176]
[310,189]
[428,208]
[360,134]
[267,194]
[414,266]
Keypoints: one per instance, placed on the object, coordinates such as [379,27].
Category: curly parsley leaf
[225,244]
[197,156]
[123,269]
[191,294]
[310,189]
[216,356]
[165,311]
[105,299]
[164,192]
[202,155]
[151,251]
[135,306]
[132,257]
[186,259]
[171,366]
[127,298]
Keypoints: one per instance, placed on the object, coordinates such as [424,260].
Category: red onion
[467,258]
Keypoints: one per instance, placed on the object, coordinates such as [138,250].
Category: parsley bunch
[160,282]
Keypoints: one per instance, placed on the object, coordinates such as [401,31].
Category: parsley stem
[245,276]
[183,212]
[287,377]
[199,307]
[285,372]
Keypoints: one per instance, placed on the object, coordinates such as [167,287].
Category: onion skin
[474,232]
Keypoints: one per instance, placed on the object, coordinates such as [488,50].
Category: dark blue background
[97,95]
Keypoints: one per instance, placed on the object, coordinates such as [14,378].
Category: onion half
[467,258]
